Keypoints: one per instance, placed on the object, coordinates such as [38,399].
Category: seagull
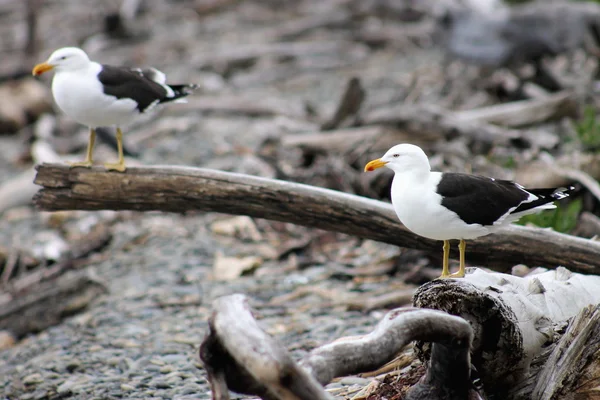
[98,95]
[445,206]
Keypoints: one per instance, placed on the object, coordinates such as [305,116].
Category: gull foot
[458,274]
[84,164]
[115,167]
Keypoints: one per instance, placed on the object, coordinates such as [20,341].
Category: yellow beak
[41,68]
[373,165]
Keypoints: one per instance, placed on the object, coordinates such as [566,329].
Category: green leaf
[562,219]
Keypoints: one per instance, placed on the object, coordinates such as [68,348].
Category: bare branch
[181,189]
[251,361]
[239,353]
[399,327]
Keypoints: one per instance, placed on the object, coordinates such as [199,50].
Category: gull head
[401,158]
[67,58]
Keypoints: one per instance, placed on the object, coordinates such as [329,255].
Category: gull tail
[544,199]
[179,92]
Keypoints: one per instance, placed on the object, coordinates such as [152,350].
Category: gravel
[141,339]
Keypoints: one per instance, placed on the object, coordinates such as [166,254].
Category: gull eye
[63,58]
[396,155]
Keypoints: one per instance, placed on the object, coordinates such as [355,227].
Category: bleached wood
[249,360]
[525,112]
[573,368]
[240,354]
[513,318]
[342,141]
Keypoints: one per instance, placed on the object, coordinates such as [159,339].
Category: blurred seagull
[98,95]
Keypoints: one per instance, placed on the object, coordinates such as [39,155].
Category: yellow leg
[462,246]
[90,150]
[445,269]
[119,166]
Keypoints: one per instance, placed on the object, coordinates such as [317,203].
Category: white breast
[419,208]
[79,94]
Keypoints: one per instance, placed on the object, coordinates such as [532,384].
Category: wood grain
[182,189]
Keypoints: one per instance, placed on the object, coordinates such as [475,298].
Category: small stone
[125,343]
[190,389]
[6,340]
[66,386]
[175,358]
[113,361]
[127,388]
[160,384]
[33,379]
[228,268]
[181,339]
[166,369]
[73,365]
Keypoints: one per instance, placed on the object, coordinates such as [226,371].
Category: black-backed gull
[445,206]
[98,95]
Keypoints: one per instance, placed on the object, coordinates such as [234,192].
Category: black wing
[136,84]
[478,199]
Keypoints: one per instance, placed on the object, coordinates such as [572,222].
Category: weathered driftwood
[349,104]
[375,138]
[34,296]
[294,28]
[570,369]
[48,302]
[240,356]
[525,112]
[181,189]
[548,173]
[223,59]
[513,318]
[512,321]
[434,120]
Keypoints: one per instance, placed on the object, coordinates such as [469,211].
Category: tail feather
[544,197]
[179,91]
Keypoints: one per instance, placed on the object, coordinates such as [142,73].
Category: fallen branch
[432,120]
[512,321]
[181,189]
[547,171]
[239,355]
[374,138]
[525,112]
[48,303]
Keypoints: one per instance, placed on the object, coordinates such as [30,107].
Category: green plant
[588,128]
[562,219]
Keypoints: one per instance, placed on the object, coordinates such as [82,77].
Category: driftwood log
[181,189]
[515,333]
[514,319]
[238,355]
[49,303]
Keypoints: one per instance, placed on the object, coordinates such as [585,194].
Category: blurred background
[300,90]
